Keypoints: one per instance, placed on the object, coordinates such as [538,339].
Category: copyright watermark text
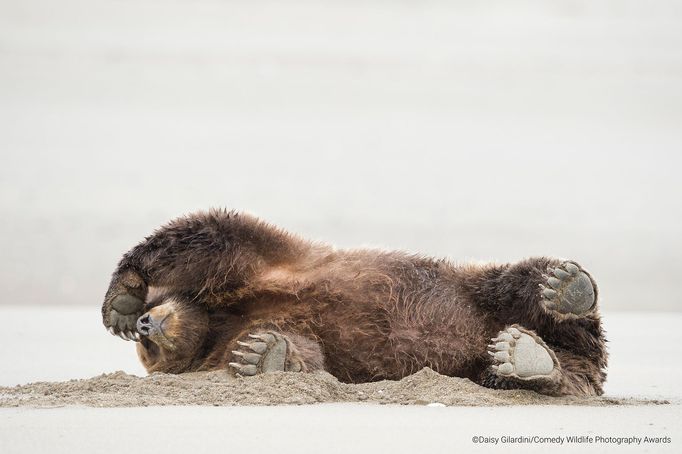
[569,439]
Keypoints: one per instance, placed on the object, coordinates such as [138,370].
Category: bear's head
[172,331]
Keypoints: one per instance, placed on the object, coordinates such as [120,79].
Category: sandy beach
[218,388]
[79,377]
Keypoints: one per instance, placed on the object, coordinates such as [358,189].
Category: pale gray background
[473,130]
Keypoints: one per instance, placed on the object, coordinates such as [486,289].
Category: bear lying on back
[225,290]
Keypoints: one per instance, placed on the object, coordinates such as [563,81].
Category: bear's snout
[147,325]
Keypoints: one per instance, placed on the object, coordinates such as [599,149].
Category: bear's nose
[145,324]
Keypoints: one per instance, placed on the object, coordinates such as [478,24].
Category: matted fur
[362,315]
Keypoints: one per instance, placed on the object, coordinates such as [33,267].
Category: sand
[41,356]
[56,350]
[218,388]
[57,367]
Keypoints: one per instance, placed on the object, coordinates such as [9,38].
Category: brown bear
[224,290]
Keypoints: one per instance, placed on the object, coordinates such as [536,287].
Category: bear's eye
[152,304]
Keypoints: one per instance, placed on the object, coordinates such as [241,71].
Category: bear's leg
[541,287]
[204,256]
[535,290]
[522,360]
[264,351]
[557,299]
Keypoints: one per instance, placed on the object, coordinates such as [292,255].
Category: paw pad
[567,290]
[265,352]
[125,310]
[518,354]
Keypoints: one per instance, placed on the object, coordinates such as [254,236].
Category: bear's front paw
[568,290]
[123,305]
[266,352]
[125,310]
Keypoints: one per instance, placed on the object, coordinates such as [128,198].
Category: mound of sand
[217,388]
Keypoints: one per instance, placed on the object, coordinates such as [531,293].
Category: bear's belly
[364,342]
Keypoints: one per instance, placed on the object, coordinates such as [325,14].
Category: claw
[267,338]
[137,336]
[111,331]
[561,274]
[122,336]
[258,347]
[554,282]
[549,293]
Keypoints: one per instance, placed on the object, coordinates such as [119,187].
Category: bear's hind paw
[520,354]
[568,290]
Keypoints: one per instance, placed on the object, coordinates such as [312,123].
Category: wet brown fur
[362,315]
